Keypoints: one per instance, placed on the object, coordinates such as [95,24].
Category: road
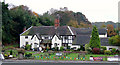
[38,62]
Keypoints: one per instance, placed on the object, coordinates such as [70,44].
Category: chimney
[57,22]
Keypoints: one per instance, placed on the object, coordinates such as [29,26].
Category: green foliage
[27,47]
[82,48]
[61,48]
[115,40]
[28,54]
[108,52]
[113,51]
[87,47]
[11,52]
[103,47]
[95,40]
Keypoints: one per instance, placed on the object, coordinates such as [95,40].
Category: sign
[97,58]
[58,54]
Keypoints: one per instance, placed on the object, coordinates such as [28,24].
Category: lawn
[71,56]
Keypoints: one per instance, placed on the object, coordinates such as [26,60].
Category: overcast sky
[95,10]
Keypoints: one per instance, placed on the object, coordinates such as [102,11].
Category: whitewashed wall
[103,36]
[23,40]
[117,47]
[77,46]
[58,41]
[35,40]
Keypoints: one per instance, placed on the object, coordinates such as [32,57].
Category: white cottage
[57,36]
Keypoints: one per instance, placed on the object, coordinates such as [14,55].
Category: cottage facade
[51,37]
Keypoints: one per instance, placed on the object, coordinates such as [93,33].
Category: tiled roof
[49,30]
[85,39]
[87,31]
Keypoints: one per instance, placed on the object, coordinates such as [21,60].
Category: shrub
[117,51]
[113,51]
[21,51]
[108,52]
[11,52]
[5,55]
[89,50]
[68,47]
[28,54]
[96,50]
[103,47]
[101,51]
[87,47]
[61,48]
[35,49]
[53,49]
[78,49]
[56,48]
[27,47]
[82,48]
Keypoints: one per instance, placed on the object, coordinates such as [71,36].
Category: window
[35,38]
[66,37]
[55,38]
[26,43]
[55,44]
[26,37]
[46,37]
[35,45]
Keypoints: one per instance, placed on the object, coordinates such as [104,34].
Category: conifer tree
[95,40]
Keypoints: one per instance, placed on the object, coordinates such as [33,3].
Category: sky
[94,10]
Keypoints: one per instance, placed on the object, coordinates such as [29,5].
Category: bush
[82,48]
[89,50]
[28,54]
[61,48]
[96,50]
[78,49]
[56,48]
[108,52]
[87,47]
[68,47]
[103,47]
[113,51]
[101,51]
[11,52]
[35,49]
[27,47]
[21,51]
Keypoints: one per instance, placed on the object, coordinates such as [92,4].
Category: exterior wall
[103,36]
[56,40]
[69,40]
[23,40]
[77,46]
[35,40]
[117,47]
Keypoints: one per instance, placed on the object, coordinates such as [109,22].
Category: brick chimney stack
[57,22]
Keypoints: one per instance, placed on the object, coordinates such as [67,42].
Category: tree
[111,32]
[115,40]
[95,40]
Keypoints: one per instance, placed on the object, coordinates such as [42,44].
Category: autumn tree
[110,31]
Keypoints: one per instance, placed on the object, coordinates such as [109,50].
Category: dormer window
[26,37]
[46,37]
